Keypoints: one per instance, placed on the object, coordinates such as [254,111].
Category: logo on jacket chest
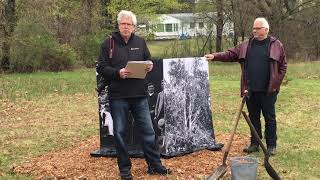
[134,49]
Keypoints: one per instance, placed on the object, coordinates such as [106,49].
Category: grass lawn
[182,48]
[43,112]
[298,116]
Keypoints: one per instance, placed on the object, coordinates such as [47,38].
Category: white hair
[124,13]
[263,21]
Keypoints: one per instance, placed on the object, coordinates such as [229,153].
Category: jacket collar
[274,48]
[272,38]
[118,38]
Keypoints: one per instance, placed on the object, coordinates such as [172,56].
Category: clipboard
[137,69]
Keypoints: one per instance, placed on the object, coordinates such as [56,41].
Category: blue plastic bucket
[244,168]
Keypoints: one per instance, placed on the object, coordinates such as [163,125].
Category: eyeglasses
[257,28]
[126,24]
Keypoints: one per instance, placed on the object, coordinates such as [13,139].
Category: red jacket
[278,65]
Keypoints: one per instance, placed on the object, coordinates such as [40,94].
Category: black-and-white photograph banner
[179,103]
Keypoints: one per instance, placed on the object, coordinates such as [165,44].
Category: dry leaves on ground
[76,163]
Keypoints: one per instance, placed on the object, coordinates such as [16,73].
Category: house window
[201,25]
[175,27]
[168,27]
[192,25]
[160,27]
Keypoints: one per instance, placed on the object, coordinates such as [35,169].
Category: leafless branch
[298,9]
[264,6]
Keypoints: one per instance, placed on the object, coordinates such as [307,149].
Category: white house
[185,25]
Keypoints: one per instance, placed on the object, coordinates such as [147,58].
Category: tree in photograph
[176,87]
[187,110]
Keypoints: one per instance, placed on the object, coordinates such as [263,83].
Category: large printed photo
[179,104]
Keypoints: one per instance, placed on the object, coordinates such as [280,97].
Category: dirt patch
[76,163]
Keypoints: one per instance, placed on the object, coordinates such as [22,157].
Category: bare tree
[106,17]
[279,11]
[88,6]
[243,13]
[219,25]
[7,26]
[213,12]
[9,17]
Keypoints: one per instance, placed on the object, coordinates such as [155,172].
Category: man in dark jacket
[129,94]
[263,65]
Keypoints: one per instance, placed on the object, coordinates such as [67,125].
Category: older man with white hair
[263,64]
[129,94]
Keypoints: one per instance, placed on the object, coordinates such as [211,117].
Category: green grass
[182,48]
[31,86]
[43,112]
[298,115]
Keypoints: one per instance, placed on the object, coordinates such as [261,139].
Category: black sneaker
[158,170]
[252,148]
[272,150]
[126,175]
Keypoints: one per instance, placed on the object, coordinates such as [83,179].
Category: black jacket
[135,50]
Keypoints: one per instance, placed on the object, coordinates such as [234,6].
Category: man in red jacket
[263,67]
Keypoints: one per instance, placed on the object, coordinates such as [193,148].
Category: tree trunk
[88,8]
[219,25]
[60,29]
[5,61]
[10,23]
[235,23]
[235,37]
[317,41]
[243,34]
[210,46]
[106,23]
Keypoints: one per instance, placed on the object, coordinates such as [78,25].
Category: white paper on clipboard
[137,69]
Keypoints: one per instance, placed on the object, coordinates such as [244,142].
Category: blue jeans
[261,101]
[140,111]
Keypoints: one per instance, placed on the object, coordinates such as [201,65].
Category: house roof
[166,18]
[193,17]
[182,18]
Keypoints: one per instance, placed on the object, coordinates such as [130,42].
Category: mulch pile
[76,163]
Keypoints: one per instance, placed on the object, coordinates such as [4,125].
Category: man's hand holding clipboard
[136,69]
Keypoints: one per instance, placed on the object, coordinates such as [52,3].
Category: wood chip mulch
[76,163]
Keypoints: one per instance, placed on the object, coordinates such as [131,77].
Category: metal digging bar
[272,173]
[222,169]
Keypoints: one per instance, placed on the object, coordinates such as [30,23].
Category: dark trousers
[261,101]
[140,110]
